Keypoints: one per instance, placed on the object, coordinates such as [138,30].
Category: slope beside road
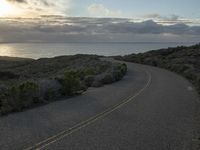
[150,109]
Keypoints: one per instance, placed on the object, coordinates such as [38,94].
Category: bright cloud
[99,10]
[32,8]
[171,19]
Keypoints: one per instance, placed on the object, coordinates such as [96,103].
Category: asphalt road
[150,109]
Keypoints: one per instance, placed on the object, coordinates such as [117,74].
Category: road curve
[150,109]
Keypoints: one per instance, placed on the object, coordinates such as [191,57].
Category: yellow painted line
[87,122]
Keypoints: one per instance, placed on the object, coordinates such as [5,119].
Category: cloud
[32,8]
[170,19]
[158,16]
[35,2]
[52,28]
[99,10]
[17,1]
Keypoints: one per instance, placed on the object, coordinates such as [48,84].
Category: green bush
[81,74]
[102,68]
[119,71]
[107,79]
[50,95]
[19,97]
[88,71]
[71,83]
[117,75]
[123,68]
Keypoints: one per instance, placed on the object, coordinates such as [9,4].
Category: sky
[99,21]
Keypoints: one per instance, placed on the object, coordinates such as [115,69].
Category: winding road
[150,109]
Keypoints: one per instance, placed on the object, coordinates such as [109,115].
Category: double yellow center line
[65,133]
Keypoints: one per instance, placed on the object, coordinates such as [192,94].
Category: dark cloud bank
[62,29]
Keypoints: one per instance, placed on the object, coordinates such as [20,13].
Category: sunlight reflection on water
[6,50]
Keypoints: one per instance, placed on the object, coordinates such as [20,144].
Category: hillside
[26,82]
[182,60]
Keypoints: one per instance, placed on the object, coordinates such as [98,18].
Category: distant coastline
[47,50]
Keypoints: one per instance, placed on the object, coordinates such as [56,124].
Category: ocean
[43,50]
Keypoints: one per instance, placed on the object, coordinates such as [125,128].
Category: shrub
[71,83]
[49,89]
[96,83]
[107,79]
[89,80]
[103,67]
[88,71]
[50,94]
[123,68]
[29,93]
[81,74]
[18,97]
[8,75]
[119,71]
[117,74]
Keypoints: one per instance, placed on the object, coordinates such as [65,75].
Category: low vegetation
[182,60]
[25,83]
[18,97]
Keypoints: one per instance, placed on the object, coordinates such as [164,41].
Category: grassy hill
[26,82]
